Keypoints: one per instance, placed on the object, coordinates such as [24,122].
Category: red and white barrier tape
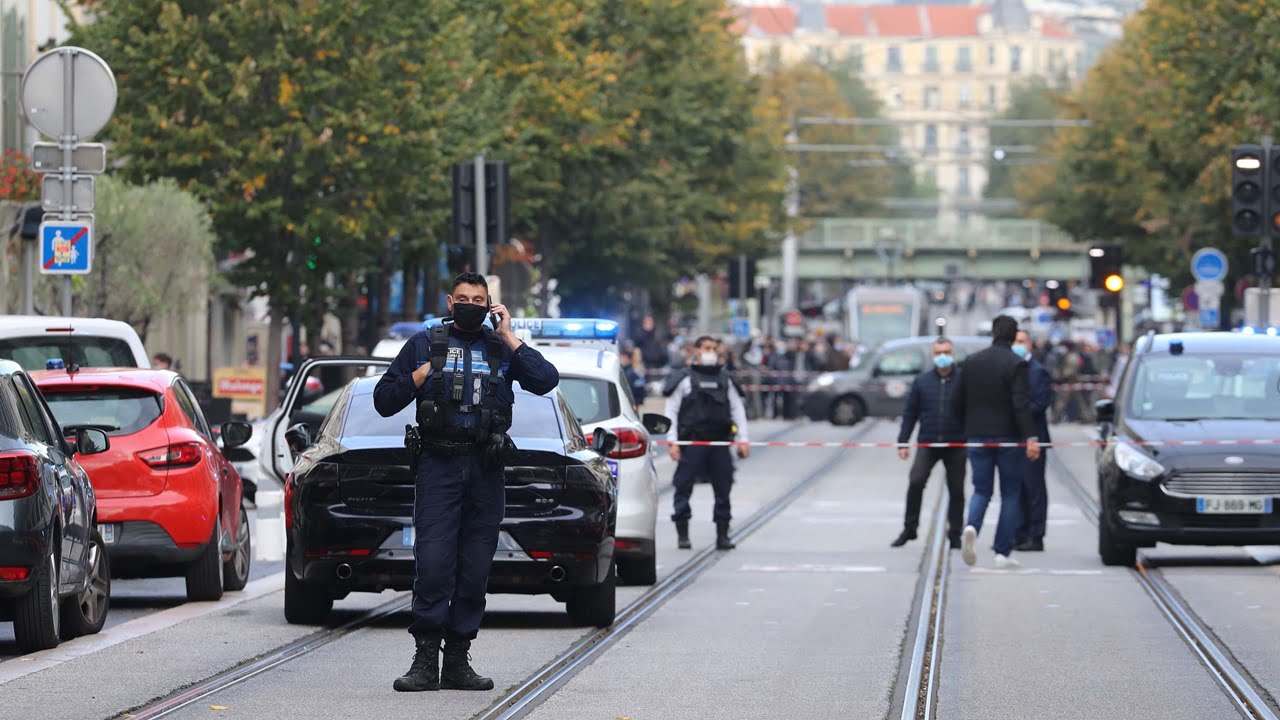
[806,388]
[894,445]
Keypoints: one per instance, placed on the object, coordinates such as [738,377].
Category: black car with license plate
[55,583]
[1177,465]
[349,509]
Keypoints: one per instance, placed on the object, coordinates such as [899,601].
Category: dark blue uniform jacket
[1040,384]
[525,365]
[929,403]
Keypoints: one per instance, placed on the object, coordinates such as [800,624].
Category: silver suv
[877,386]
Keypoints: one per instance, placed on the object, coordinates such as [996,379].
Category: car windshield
[118,411]
[533,417]
[592,400]
[86,351]
[1205,387]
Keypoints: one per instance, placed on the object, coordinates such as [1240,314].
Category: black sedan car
[55,583]
[349,509]
[1159,480]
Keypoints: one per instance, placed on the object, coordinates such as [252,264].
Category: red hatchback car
[169,502]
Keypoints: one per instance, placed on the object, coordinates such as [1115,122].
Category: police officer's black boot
[682,535]
[424,673]
[722,537]
[456,673]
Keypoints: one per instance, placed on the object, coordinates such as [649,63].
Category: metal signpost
[1209,267]
[68,93]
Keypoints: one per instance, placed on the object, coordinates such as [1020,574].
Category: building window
[991,54]
[895,97]
[931,138]
[962,140]
[931,59]
[854,56]
[893,59]
[963,96]
[964,59]
[1015,59]
[819,54]
[962,182]
[991,96]
[930,97]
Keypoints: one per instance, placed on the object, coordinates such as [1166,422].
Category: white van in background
[33,340]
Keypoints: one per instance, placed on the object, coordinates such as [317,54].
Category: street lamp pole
[790,243]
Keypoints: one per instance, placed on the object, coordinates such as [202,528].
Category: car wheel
[304,603]
[847,410]
[36,615]
[235,571]
[86,611]
[596,605]
[1113,551]
[204,574]
[638,571]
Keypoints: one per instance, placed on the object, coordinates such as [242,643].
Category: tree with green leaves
[1035,98]
[314,130]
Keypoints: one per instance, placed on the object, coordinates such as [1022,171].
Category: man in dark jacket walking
[929,403]
[1035,497]
[992,399]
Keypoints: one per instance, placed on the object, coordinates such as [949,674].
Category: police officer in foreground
[460,374]
[706,405]
[929,403]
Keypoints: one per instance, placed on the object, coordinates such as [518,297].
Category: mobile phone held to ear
[493,317]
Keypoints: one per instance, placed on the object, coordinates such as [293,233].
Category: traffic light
[736,288]
[1248,176]
[1106,268]
[1272,179]
[1060,300]
[497,210]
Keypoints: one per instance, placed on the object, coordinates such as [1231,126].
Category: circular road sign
[93,96]
[1208,264]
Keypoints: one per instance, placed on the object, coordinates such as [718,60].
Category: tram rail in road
[529,694]
[1231,675]
[918,679]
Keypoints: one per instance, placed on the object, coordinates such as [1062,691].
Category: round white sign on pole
[93,92]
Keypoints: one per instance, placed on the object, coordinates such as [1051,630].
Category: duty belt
[447,448]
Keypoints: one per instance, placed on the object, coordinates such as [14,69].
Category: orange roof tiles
[880,20]
[954,20]
[895,20]
[769,19]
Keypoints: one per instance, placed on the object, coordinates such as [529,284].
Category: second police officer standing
[706,405]
[461,376]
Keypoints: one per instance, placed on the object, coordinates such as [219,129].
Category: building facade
[940,71]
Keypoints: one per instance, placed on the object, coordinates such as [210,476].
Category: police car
[592,381]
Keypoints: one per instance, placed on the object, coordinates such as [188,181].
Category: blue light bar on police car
[568,328]
[54,364]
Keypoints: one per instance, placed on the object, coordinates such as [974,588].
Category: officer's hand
[904,453]
[674,452]
[1033,449]
[744,451]
[420,375]
[504,320]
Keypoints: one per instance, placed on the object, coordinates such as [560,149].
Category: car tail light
[631,444]
[173,456]
[19,474]
[14,574]
[288,501]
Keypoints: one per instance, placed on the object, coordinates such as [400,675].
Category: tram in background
[876,314]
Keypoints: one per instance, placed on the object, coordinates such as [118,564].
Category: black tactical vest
[704,412]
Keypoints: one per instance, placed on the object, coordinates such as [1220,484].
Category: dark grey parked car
[878,385]
[55,583]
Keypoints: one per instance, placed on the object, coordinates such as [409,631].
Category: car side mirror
[1105,411]
[603,441]
[656,423]
[91,441]
[235,434]
[298,437]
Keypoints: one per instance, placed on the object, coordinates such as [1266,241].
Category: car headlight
[1136,463]
[824,380]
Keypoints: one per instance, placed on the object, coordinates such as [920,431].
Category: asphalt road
[806,619]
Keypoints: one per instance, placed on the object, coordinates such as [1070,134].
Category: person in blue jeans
[992,399]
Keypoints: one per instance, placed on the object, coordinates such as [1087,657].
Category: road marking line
[814,569]
[19,667]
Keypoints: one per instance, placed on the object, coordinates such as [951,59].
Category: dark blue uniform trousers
[1035,500]
[715,463]
[457,511]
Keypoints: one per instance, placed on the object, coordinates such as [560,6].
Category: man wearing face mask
[460,374]
[929,403]
[1035,497]
[706,405]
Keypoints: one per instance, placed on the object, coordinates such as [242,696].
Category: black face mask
[468,316]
